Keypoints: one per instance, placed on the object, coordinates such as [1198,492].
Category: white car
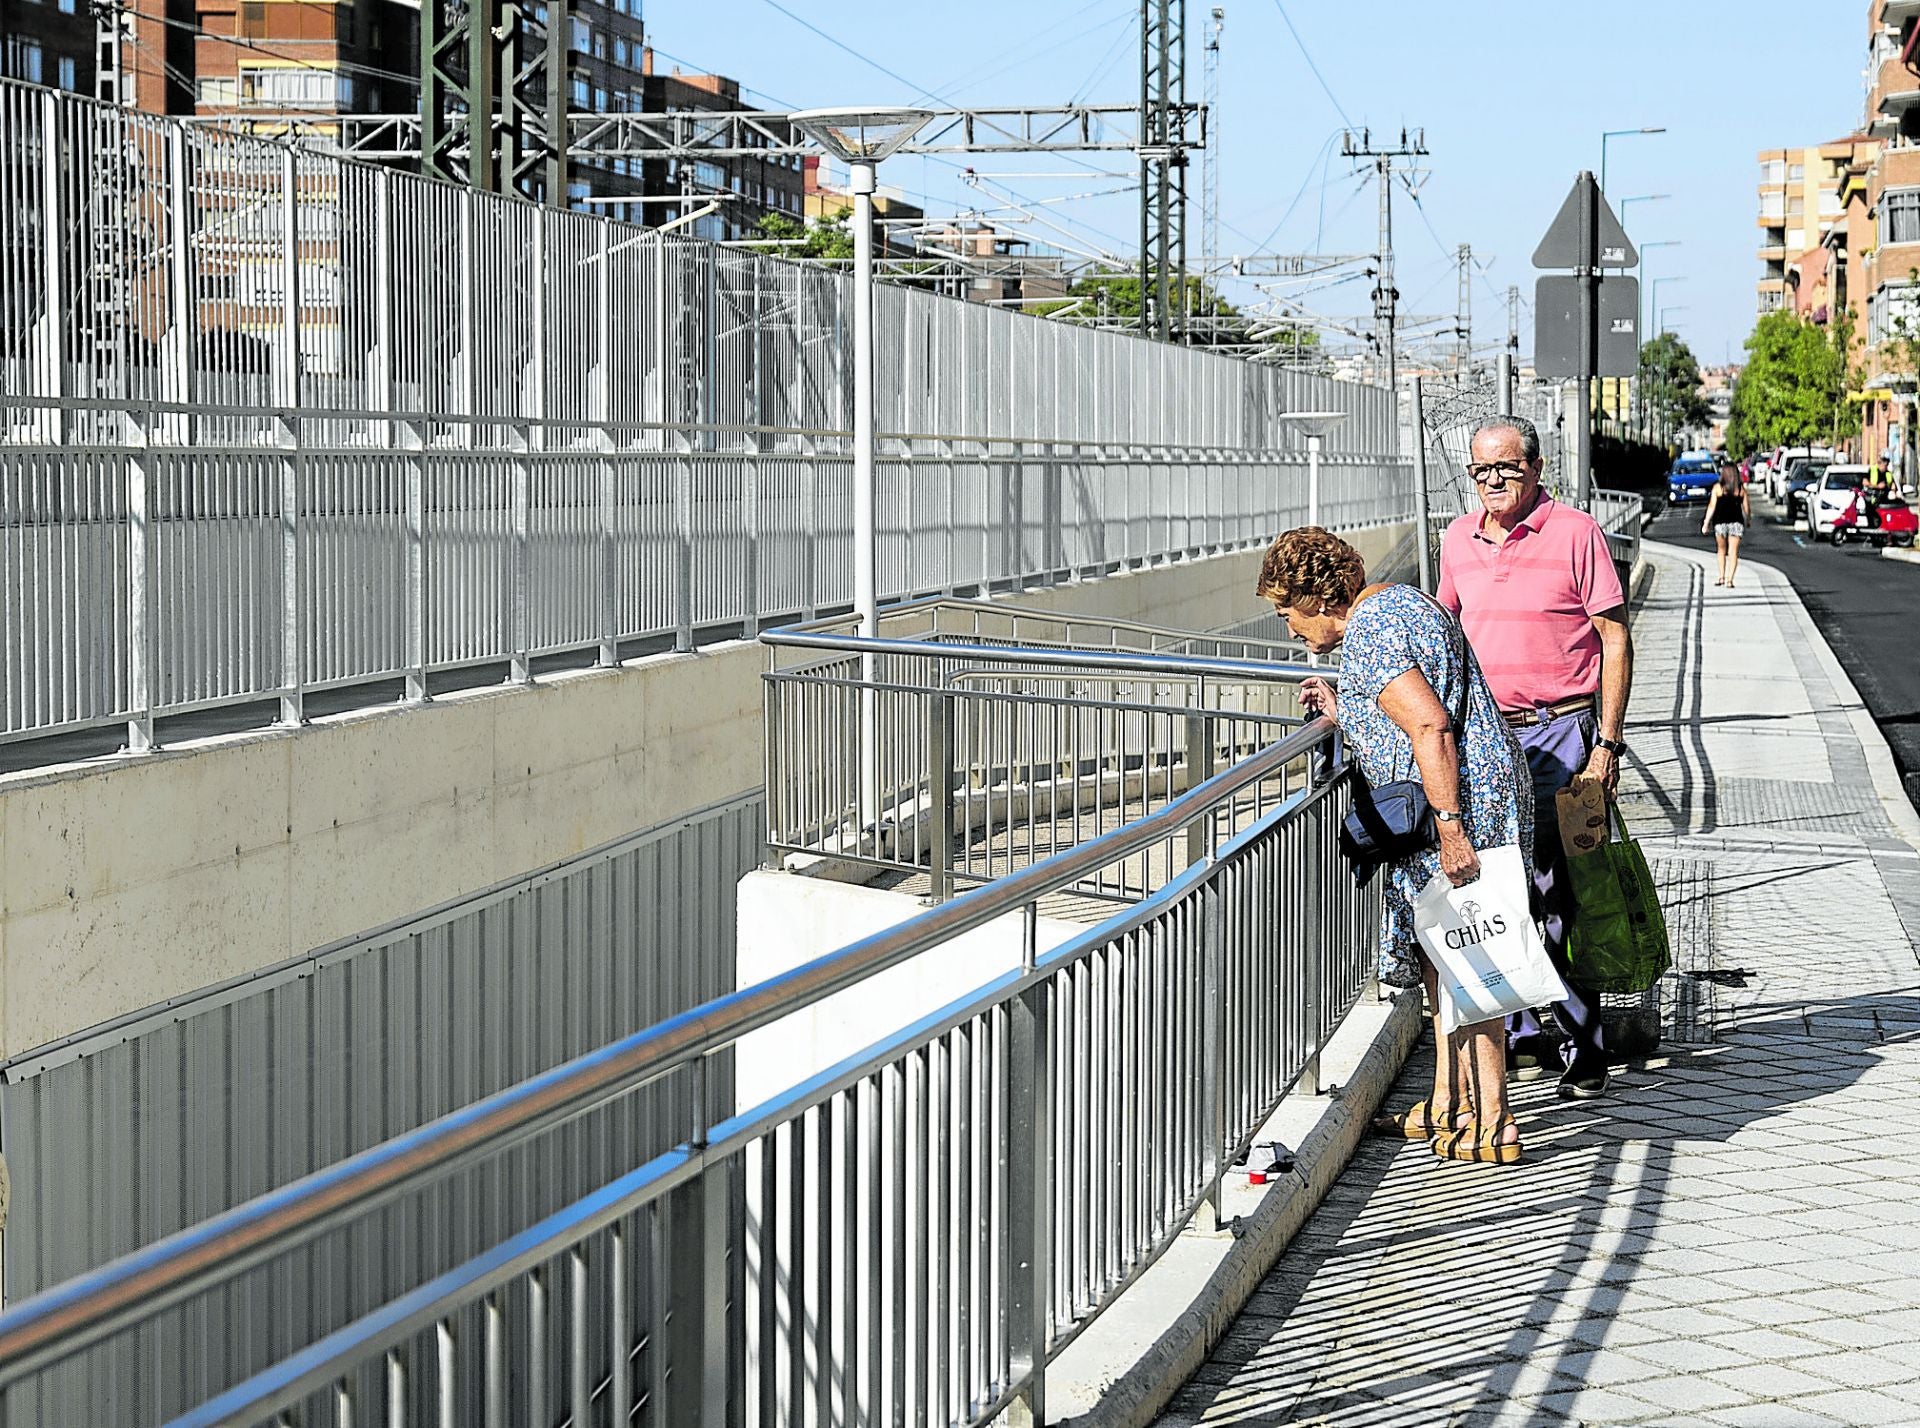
[1780,467]
[1830,495]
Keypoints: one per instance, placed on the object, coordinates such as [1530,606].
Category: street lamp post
[1315,425]
[1615,134]
[1645,295]
[861,138]
[1640,274]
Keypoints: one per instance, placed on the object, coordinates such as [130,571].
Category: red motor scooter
[1884,520]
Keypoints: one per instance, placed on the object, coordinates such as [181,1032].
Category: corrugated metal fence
[119,1137]
[274,421]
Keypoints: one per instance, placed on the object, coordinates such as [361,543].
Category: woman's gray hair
[1524,429]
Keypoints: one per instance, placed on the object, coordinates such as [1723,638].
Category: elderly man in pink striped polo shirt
[1534,586]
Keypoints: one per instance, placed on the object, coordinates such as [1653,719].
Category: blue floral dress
[1392,631]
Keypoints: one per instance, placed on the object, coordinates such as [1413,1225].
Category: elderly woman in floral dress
[1404,665]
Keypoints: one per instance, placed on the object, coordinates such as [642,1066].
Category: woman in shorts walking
[1727,516]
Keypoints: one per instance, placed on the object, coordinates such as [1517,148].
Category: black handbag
[1395,820]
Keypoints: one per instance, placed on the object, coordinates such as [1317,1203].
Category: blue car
[1691,480]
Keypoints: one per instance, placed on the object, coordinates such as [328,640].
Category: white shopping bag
[1482,940]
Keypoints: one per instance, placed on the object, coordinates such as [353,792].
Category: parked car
[1780,467]
[1802,473]
[1830,495]
[1691,479]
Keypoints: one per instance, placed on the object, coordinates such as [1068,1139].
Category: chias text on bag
[1482,941]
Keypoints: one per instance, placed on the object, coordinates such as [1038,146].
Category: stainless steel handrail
[1141,661]
[62,1321]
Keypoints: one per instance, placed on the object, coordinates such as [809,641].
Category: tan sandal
[1480,1144]
[1413,1123]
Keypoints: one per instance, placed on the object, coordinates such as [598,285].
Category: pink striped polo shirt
[1528,602]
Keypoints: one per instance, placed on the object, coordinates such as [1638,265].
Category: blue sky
[1513,95]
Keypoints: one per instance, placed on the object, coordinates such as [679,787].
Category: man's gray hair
[1520,426]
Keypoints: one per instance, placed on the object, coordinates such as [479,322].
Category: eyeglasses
[1501,471]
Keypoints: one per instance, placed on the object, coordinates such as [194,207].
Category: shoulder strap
[1472,664]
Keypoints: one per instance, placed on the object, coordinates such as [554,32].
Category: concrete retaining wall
[131,881]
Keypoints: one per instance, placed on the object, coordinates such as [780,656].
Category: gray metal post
[1588,272]
[1508,390]
[413,439]
[866,600]
[287,435]
[600,410]
[177,375]
[1029,1168]
[55,226]
[141,643]
[696,1279]
[940,776]
[1313,478]
[1422,514]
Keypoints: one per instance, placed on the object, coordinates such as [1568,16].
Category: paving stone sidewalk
[1733,1238]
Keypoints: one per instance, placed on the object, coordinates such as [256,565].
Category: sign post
[1586,236]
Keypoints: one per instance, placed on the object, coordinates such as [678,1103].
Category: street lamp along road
[1615,134]
[860,139]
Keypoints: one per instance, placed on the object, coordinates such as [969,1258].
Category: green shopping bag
[1618,938]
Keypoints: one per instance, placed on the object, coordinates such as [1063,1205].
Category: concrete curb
[1140,1394]
[1894,552]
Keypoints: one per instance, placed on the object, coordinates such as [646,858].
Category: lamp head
[860,136]
[1314,423]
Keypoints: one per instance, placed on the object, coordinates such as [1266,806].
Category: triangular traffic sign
[1561,247]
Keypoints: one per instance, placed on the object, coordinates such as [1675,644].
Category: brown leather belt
[1544,713]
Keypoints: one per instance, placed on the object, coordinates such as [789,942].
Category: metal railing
[969,740]
[273,422]
[911,1235]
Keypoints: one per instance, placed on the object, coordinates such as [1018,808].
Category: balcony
[1895,90]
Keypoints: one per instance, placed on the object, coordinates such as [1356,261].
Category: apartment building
[306,56]
[746,188]
[1889,280]
[48,42]
[1796,208]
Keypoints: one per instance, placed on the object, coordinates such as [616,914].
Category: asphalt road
[1864,604]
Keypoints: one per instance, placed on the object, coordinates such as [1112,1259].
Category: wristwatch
[1613,746]
[1445,817]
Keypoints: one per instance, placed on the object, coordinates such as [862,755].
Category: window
[69,74]
[622,53]
[1796,173]
[1796,207]
[292,87]
[582,36]
[69,7]
[217,90]
[582,94]
[1900,216]
[1773,173]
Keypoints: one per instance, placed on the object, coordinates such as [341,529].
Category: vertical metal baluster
[577,1397]
[823,1269]
[446,1387]
[620,1388]
[538,1346]
[963,1278]
[849,1118]
[797,1270]
[396,1389]
[896,1287]
[768,1289]
[494,1370]
[876,1206]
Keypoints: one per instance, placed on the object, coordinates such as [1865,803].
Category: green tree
[828,238]
[1793,388]
[1670,377]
